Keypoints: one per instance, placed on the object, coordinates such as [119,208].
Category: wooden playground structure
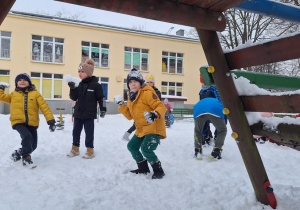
[206,16]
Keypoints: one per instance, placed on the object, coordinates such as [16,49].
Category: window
[96,51]
[172,63]
[5,39]
[4,77]
[136,58]
[125,90]
[47,49]
[49,85]
[171,88]
[104,83]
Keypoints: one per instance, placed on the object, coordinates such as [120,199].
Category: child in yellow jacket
[147,111]
[25,103]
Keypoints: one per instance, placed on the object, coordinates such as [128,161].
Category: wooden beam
[270,52]
[288,135]
[266,103]
[238,121]
[167,11]
[5,6]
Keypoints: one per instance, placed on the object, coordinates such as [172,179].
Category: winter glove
[52,127]
[71,85]
[102,114]
[118,100]
[150,116]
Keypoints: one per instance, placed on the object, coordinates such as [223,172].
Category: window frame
[168,86]
[54,44]
[102,81]
[100,48]
[53,79]
[143,53]
[170,56]
[9,50]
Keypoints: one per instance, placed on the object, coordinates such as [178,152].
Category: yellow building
[48,48]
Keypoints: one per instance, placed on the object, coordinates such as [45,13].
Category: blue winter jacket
[210,106]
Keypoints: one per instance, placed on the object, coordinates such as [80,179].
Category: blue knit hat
[23,76]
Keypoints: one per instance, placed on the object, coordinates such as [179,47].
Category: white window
[49,85]
[171,88]
[47,49]
[136,58]
[172,63]
[4,77]
[96,51]
[5,40]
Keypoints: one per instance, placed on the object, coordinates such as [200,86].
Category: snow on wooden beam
[266,103]
[283,49]
[167,11]
[272,9]
[5,6]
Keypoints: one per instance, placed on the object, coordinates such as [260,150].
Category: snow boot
[125,137]
[89,153]
[142,167]
[158,171]
[16,155]
[198,153]
[216,153]
[26,160]
[74,151]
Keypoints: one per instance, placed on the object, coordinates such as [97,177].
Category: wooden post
[237,118]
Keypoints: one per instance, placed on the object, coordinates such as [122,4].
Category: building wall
[23,27]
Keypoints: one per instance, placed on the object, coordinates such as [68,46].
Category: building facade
[48,48]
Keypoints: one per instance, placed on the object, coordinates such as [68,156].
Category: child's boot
[27,161]
[216,153]
[16,155]
[158,171]
[89,153]
[198,153]
[74,151]
[142,167]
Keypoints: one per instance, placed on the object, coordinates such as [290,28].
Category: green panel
[85,48]
[144,56]
[270,81]
[104,51]
[136,59]
[95,50]
[206,76]
[127,58]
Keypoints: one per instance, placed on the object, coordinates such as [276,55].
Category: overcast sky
[51,7]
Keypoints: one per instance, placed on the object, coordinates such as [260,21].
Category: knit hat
[166,100]
[135,75]
[87,67]
[150,78]
[23,76]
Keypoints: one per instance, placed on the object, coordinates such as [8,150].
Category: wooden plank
[237,118]
[167,11]
[5,6]
[278,50]
[288,135]
[269,81]
[266,103]
[221,6]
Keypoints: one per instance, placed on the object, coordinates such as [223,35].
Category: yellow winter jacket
[146,101]
[27,113]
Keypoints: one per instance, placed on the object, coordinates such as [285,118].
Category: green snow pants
[147,144]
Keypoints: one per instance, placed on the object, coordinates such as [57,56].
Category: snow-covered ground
[104,182]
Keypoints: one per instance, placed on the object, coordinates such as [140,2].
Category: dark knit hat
[87,67]
[135,75]
[23,76]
